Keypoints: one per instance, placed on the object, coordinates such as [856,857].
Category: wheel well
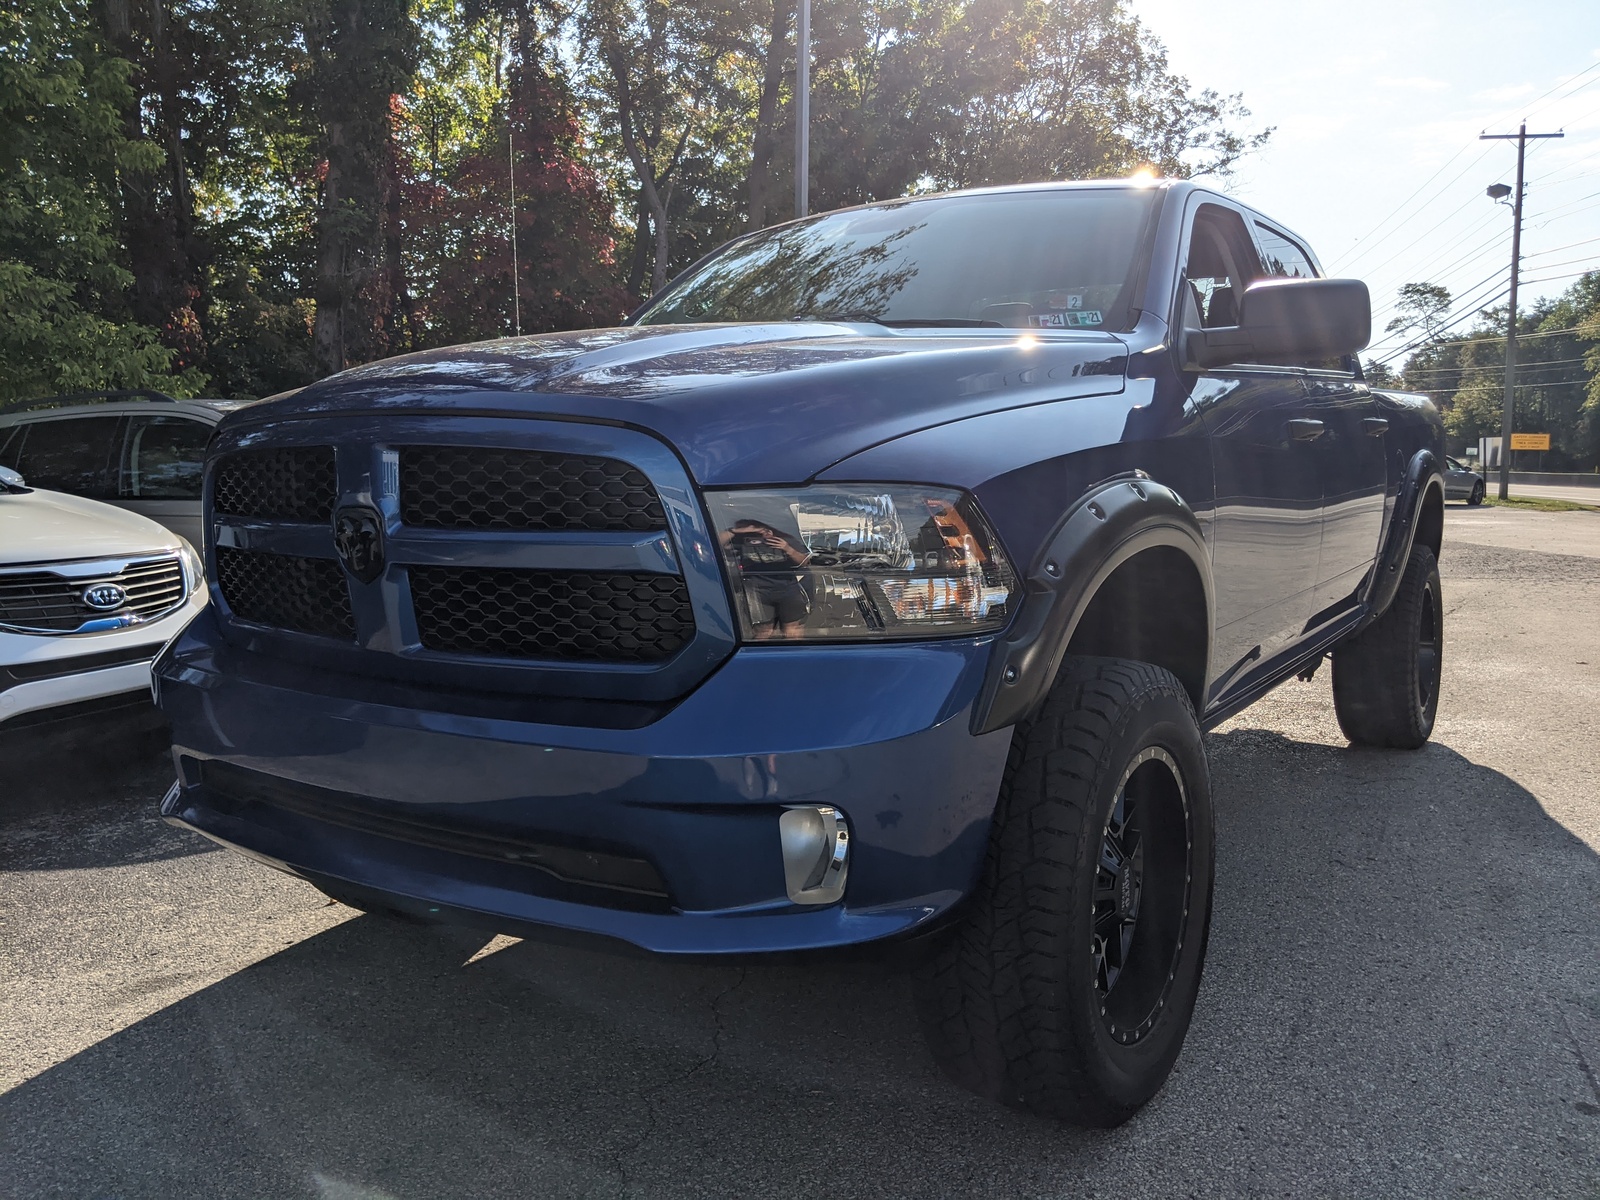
[1430,521]
[1152,609]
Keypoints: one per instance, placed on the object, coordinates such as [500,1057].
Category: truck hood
[743,404]
[44,527]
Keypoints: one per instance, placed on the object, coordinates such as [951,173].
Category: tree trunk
[641,247]
[758,184]
[327,335]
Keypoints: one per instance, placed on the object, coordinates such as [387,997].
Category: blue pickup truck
[875,581]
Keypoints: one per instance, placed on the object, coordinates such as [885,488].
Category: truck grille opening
[585,874]
[306,595]
[471,487]
[575,616]
[52,603]
[289,483]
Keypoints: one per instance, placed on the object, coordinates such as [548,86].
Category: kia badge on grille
[358,537]
[103,597]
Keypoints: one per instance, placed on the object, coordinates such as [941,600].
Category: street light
[1498,191]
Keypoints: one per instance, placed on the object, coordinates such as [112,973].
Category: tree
[1421,306]
[361,56]
[458,189]
[63,149]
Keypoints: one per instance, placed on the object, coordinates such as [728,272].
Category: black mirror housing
[1288,321]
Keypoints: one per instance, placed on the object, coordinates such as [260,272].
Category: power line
[1495,337]
[1476,308]
[1401,206]
[1558,87]
[1569,95]
[1371,246]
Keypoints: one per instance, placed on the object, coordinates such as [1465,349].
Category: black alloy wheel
[1141,902]
[1068,985]
[1477,494]
[1386,679]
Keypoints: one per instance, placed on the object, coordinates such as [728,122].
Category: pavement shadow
[1403,995]
[82,795]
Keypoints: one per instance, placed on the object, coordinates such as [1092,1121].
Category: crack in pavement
[620,1158]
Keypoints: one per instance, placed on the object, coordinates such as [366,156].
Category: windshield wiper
[900,322]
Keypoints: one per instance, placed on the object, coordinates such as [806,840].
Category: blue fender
[1113,521]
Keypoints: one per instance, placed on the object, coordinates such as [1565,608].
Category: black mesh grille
[548,614]
[307,595]
[46,601]
[289,483]
[468,487]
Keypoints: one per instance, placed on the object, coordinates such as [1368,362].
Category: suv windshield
[1039,259]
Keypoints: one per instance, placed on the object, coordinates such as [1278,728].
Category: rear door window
[1282,255]
[69,454]
[162,458]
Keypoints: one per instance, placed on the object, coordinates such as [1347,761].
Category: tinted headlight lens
[851,561]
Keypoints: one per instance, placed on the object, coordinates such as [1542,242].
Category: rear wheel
[1068,987]
[1386,680]
[1477,493]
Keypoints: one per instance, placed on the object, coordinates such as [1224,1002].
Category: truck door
[1267,531]
[1349,454]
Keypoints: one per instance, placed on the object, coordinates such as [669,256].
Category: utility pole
[1521,137]
[516,291]
[802,111]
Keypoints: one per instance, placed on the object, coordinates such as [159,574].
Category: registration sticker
[1051,320]
[1084,316]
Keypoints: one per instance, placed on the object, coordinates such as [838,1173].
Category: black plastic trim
[1422,472]
[1110,523]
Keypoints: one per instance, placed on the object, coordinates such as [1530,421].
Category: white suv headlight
[194,571]
[860,561]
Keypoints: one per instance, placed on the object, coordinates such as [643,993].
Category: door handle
[1375,426]
[1304,429]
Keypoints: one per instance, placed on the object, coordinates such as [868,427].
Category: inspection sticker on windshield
[1067,320]
[1065,300]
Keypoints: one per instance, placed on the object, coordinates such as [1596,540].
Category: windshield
[1041,259]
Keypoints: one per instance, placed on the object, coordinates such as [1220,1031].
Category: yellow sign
[1530,441]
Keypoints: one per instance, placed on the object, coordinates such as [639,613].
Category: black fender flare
[1109,524]
[1422,472]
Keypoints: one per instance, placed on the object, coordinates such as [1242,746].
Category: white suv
[88,594]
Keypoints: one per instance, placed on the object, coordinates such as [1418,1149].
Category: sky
[1377,107]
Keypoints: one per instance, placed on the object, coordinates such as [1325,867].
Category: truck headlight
[861,561]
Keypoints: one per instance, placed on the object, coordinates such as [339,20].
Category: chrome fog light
[816,853]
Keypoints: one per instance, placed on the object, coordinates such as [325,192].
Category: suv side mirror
[10,481]
[1287,321]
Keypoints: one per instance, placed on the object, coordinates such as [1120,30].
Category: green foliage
[1558,365]
[1421,306]
[242,195]
[62,270]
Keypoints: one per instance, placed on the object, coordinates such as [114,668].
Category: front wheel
[1386,680]
[1477,494]
[1068,987]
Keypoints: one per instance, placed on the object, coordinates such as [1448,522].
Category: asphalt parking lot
[1402,996]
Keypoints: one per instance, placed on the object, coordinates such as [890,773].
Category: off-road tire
[1477,494]
[1386,679]
[1011,1001]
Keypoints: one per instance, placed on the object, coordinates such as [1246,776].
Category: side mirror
[1287,321]
[10,481]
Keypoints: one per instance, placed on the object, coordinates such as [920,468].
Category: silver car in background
[1461,482]
[139,450]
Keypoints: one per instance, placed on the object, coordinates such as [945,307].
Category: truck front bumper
[664,836]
